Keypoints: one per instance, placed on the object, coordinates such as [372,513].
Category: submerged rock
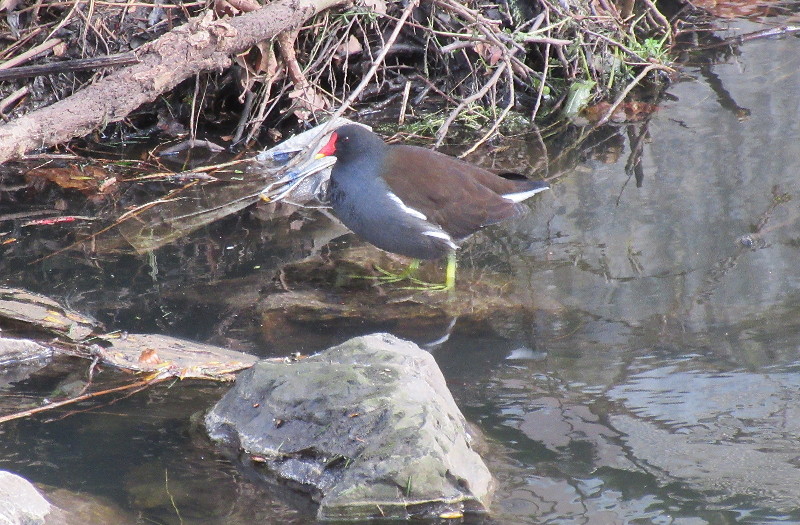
[16,351]
[20,502]
[368,427]
[19,358]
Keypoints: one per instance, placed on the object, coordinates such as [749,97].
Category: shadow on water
[644,368]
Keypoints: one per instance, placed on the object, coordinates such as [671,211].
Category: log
[202,44]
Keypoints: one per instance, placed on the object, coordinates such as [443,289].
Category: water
[655,380]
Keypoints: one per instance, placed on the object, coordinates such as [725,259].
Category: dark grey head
[351,142]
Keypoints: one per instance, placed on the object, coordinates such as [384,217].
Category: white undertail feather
[522,195]
[439,234]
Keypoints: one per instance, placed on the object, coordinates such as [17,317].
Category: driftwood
[202,44]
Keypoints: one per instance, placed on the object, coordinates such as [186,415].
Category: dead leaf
[175,357]
[40,313]
[224,8]
[83,178]
[149,357]
[351,47]
[307,101]
[267,62]
[633,111]
[245,6]
[60,49]
[491,53]
[258,62]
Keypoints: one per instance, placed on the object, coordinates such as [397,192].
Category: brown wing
[450,192]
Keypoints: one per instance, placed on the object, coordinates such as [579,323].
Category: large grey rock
[20,502]
[369,427]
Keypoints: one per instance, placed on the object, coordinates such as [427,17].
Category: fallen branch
[202,44]
[139,385]
[13,98]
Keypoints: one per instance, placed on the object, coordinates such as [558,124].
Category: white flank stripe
[407,209]
[521,196]
[442,235]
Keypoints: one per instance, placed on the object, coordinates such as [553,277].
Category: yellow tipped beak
[319,156]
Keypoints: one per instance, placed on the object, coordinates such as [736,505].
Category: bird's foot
[391,277]
[388,277]
[424,286]
[448,285]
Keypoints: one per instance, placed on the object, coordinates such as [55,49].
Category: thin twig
[442,131]
[661,18]
[625,92]
[616,44]
[171,497]
[21,41]
[89,382]
[192,114]
[25,413]
[503,114]
[378,61]
[545,69]
[404,105]
[31,53]
[13,98]
[357,91]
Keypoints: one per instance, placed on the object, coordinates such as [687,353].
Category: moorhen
[414,201]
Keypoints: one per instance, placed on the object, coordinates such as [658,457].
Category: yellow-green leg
[450,275]
[391,277]
[408,275]
[449,282]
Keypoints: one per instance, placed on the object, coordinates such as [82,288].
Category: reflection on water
[671,397]
[659,385]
